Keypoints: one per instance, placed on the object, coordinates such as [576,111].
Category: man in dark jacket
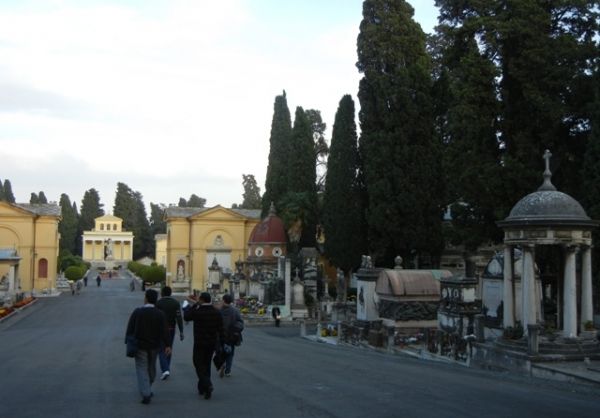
[208,332]
[172,310]
[149,326]
[233,324]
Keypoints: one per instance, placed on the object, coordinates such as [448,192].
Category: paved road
[65,357]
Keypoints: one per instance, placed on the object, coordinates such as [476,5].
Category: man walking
[208,331]
[172,310]
[149,326]
[233,324]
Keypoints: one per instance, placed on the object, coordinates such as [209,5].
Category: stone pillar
[508,297]
[288,286]
[529,302]
[587,312]
[11,280]
[365,286]
[570,295]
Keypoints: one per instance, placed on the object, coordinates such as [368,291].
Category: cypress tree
[276,181]
[91,208]
[401,160]
[42,198]
[1,191]
[196,201]
[68,225]
[8,193]
[129,206]
[342,217]
[34,199]
[157,223]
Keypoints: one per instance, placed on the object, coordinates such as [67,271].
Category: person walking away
[233,325]
[98,280]
[172,310]
[78,286]
[132,285]
[149,326]
[85,279]
[276,313]
[208,332]
[72,286]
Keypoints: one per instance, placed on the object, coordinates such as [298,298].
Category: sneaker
[165,375]
[228,374]
[222,371]
[208,393]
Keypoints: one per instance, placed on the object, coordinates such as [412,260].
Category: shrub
[135,267]
[74,272]
[153,274]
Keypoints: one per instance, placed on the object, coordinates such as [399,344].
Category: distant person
[132,285]
[233,325]
[149,325]
[85,280]
[72,287]
[172,310]
[98,280]
[78,286]
[208,331]
[276,313]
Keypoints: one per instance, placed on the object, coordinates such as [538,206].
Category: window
[114,227]
[101,227]
[43,268]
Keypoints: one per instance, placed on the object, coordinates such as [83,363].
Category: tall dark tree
[182,203]
[42,198]
[194,201]
[276,182]
[318,128]
[467,114]
[129,206]
[34,199]
[91,208]
[342,217]
[251,194]
[401,159]
[157,222]
[68,225]
[8,193]
[1,191]
[298,207]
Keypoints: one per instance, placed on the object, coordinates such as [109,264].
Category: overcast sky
[170,97]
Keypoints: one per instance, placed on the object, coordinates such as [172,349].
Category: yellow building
[28,246]
[160,254]
[197,236]
[107,244]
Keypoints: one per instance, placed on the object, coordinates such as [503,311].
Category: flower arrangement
[5,312]
[23,302]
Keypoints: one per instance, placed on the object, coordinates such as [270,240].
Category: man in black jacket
[172,310]
[208,332]
[149,326]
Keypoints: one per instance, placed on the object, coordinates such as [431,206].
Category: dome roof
[269,230]
[547,206]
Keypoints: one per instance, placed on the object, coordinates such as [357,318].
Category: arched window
[43,268]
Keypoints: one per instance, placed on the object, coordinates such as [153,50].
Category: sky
[171,97]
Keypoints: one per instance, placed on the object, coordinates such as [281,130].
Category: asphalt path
[65,357]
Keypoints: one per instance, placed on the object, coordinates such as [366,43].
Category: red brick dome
[269,231]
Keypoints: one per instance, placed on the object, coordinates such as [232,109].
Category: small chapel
[107,245]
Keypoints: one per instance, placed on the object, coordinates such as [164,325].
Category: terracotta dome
[269,230]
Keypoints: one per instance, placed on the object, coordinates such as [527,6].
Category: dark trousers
[203,355]
[165,361]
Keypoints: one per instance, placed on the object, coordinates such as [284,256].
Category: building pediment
[217,213]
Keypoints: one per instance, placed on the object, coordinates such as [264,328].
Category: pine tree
[8,193]
[91,208]
[276,181]
[251,193]
[68,225]
[342,218]
[34,199]
[182,203]
[196,202]
[401,159]
[157,222]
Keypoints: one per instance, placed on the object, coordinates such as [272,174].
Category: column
[587,313]
[288,286]
[508,297]
[569,295]
[528,299]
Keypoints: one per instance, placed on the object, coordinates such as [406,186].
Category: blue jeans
[229,358]
[145,369]
[165,361]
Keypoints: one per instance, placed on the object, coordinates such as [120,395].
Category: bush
[74,273]
[67,260]
[153,274]
[135,267]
